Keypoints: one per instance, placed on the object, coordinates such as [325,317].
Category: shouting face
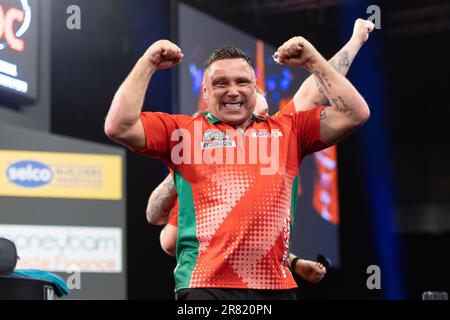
[230,90]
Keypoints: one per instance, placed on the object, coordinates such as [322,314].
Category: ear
[205,94]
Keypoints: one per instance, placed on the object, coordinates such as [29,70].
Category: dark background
[89,65]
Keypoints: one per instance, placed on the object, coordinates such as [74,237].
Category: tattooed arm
[161,202]
[310,94]
[348,109]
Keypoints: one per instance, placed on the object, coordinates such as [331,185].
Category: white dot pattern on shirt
[250,240]
[227,186]
[251,256]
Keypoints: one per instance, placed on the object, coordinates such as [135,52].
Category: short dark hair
[227,52]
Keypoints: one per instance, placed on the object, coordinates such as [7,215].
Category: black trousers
[235,294]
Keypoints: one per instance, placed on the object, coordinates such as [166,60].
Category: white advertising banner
[66,248]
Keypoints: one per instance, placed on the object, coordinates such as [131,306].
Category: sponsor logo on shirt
[217,139]
[273,134]
[230,147]
[29,174]
[215,135]
[218,144]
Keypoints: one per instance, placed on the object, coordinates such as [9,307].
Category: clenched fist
[163,54]
[310,270]
[296,52]
[362,29]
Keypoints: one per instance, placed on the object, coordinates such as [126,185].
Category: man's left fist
[296,52]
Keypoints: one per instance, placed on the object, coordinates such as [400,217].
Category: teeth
[233,105]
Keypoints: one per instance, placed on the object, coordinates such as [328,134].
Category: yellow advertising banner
[60,175]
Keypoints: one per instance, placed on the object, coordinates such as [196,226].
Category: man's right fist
[163,54]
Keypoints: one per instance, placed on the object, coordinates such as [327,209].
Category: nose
[233,91]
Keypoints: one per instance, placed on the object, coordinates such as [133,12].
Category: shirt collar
[214,120]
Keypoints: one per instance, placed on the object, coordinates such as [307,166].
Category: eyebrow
[239,79]
[219,79]
[225,79]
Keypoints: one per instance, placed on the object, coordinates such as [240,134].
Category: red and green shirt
[235,214]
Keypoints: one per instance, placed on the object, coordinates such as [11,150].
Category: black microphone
[325,261]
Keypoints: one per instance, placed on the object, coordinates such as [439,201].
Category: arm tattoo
[319,87]
[339,105]
[162,200]
[322,81]
[324,84]
[342,63]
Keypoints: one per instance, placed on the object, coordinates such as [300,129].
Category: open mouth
[235,105]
